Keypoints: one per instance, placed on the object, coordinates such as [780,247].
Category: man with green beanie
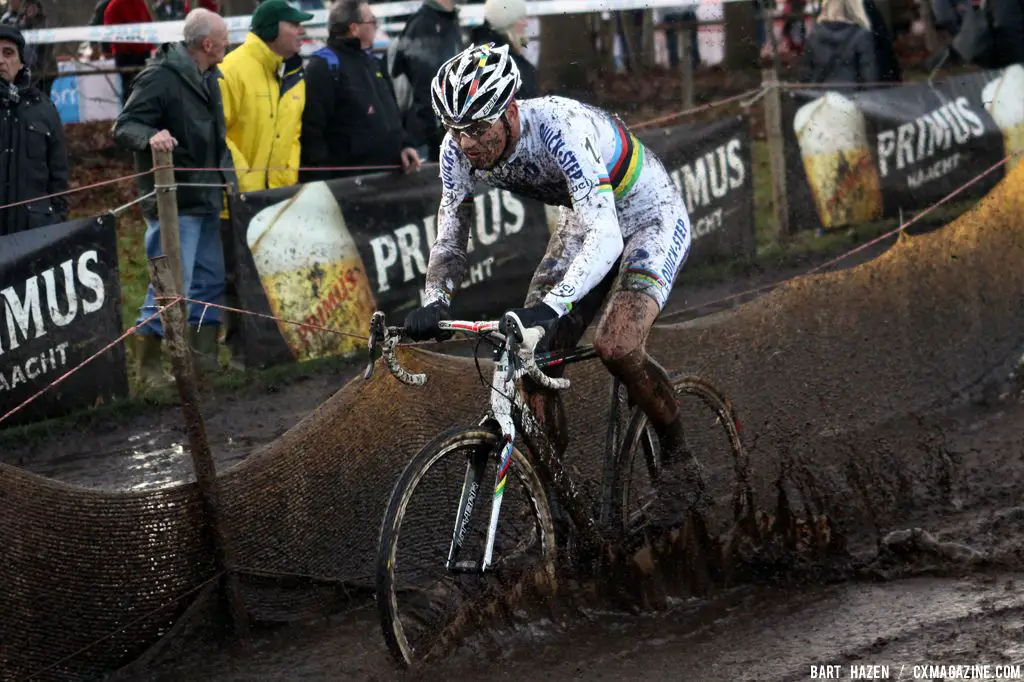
[264,94]
[263,88]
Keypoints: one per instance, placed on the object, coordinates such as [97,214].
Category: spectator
[431,37]
[505,24]
[351,116]
[263,88]
[264,93]
[888,62]
[1007,32]
[175,106]
[688,14]
[11,14]
[841,47]
[170,10]
[128,55]
[38,58]
[33,158]
[991,40]
[212,5]
[104,49]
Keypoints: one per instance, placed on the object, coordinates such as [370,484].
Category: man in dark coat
[175,106]
[351,117]
[431,37]
[33,158]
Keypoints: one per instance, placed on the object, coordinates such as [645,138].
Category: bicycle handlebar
[384,339]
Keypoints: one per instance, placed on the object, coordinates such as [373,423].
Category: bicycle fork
[470,492]
[502,414]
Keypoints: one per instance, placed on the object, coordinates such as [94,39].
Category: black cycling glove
[421,324]
[534,316]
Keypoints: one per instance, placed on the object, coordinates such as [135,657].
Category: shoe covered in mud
[149,366]
[205,347]
[680,488]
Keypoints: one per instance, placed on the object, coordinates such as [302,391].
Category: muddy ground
[925,612]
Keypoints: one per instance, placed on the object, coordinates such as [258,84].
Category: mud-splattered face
[483,143]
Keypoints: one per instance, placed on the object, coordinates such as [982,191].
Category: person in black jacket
[33,157]
[887,60]
[351,117]
[431,37]
[841,48]
[505,24]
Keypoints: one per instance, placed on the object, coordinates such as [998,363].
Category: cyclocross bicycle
[437,551]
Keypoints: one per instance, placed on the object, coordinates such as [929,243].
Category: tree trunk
[568,55]
[647,40]
[741,50]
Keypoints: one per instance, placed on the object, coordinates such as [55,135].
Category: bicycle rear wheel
[714,437]
[419,600]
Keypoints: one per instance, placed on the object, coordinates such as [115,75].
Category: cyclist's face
[483,143]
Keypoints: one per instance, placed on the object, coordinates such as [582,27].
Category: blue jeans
[202,259]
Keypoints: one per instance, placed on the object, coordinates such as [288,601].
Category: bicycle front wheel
[418,598]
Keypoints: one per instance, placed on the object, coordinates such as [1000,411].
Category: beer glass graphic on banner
[1004,101]
[312,272]
[833,136]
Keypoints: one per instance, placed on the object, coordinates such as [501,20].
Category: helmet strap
[508,137]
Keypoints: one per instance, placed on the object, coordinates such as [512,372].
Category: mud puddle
[772,632]
[750,633]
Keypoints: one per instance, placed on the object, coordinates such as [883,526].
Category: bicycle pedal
[467,566]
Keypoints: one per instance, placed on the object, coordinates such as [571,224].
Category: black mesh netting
[831,375]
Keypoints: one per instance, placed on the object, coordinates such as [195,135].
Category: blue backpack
[329,56]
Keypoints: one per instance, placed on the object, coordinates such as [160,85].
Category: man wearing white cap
[505,24]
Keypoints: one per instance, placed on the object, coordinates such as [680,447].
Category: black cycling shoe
[680,489]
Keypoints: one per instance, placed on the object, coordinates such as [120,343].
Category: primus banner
[60,302]
[854,157]
[323,256]
[711,167]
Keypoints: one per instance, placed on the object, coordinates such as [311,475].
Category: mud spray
[849,384]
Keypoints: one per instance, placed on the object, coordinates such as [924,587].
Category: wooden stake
[776,151]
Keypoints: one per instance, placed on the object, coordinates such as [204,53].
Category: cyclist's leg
[658,244]
[562,248]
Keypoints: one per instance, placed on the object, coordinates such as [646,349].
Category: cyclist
[619,205]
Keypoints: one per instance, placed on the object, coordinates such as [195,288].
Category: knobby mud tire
[639,437]
[457,442]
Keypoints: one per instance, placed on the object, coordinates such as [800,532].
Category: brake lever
[512,346]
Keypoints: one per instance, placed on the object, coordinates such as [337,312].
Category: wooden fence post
[167,212]
[685,42]
[776,150]
[166,275]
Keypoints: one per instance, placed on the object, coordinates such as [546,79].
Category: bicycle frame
[510,415]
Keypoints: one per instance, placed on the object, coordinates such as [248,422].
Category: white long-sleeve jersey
[568,154]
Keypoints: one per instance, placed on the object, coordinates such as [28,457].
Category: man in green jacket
[175,106]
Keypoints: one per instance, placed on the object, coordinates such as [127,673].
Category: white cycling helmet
[475,85]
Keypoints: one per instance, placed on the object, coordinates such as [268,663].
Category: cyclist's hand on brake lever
[534,316]
[422,324]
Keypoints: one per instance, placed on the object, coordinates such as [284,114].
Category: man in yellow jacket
[264,94]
